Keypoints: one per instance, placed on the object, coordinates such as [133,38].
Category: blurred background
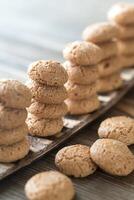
[39,29]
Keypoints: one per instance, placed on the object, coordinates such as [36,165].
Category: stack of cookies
[14,98]
[81,66]
[122,14]
[48,92]
[104,34]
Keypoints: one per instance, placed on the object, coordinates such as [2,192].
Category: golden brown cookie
[11,118]
[84,75]
[126,32]
[9,137]
[49,185]
[122,13]
[47,94]
[51,111]
[109,49]
[109,66]
[43,127]
[82,53]
[78,107]
[119,128]
[14,94]
[126,47]
[75,160]
[109,83]
[127,61]
[48,72]
[100,32]
[14,152]
[79,92]
[112,156]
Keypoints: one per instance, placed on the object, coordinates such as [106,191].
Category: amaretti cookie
[51,111]
[78,107]
[125,32]
[75,160]
[14,94]
[109,83]
[119,128]
[82,53]
[49,185]
[79,74]
[48,72]
[14,152]
[112,156]
[127,61]
[122,13]
[43,127]
[100,32]
[126,47]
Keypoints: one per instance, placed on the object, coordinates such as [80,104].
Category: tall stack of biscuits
[122,14]
[48,93]
[103,34]
[82,58]
[14,98]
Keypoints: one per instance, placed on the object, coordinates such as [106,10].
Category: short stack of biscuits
[122,14]
[14,98]
[81,65]
[48,93]
[103,34]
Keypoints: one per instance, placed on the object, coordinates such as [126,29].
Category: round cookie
[126,47]
[109,66]
[80,74]
[110,83]
[82,53]
[79,92]
[11,118]
[75,160]
[49,185]
[112,156]
[127,61]
[100,32]
[47,94]
[48,72]
[51,111]
[119,128]
[122,13]
[126,32]
[43,127]
[14,94]
[9,137]
[78,107]
[14,152]
[109,49]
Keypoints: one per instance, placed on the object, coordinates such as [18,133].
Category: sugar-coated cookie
[109,83]
[14,152]
[82,53]
[78,107]
[43,127]
[79,92]
[112,156]
[109,66]
[51,111]
[81,74]
[109,49]
[48,72]
[126,32]
[119,128]
[122,13]
[11,118]
[100,32]
[49,185]
[8,137]
[14,94]
[127,61]
[75,160]
[47,94]
[126,47]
